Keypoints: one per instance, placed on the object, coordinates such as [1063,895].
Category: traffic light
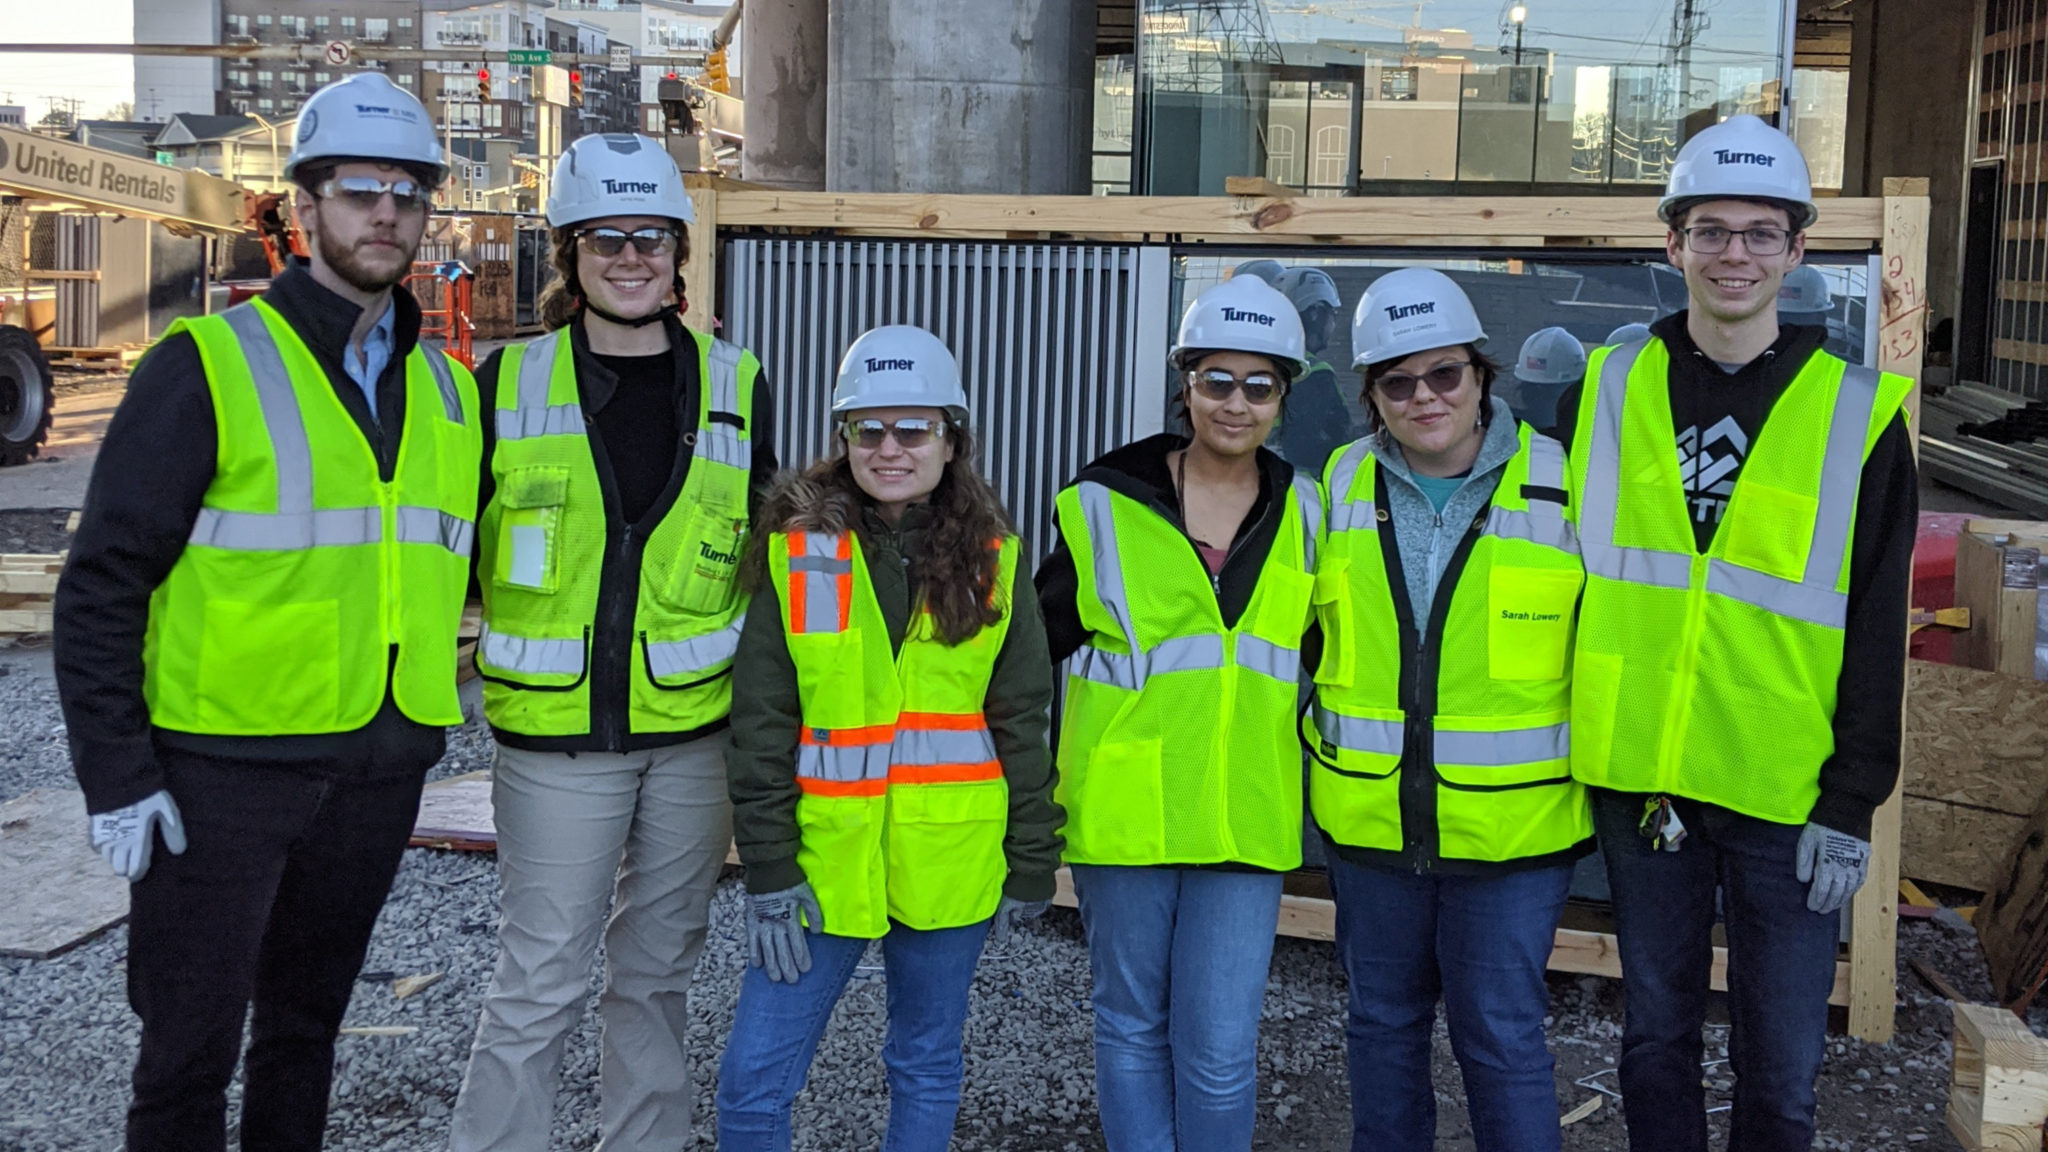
[483,85]
[715,76]
[576,89]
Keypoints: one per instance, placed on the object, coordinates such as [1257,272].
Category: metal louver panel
[1062,346]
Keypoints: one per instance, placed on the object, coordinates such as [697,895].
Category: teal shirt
[1439,489]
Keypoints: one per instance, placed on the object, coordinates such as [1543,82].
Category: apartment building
[276,88]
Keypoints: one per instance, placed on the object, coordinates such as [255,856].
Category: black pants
[272,902]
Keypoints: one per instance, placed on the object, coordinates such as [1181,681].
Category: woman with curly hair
[889,772]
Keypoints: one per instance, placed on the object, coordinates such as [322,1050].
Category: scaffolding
[1208,47]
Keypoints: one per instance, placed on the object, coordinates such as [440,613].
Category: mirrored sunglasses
[909,432]
[364,191]
[1216,384]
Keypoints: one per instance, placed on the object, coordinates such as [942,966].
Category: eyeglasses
[364,191]
[1711,238]
[609,242]
[1216,384]
[1443,380]
[909,432]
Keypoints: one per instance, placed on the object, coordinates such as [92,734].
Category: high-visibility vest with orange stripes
[1178,742]
[903,804]
[1713,675]
[305,568]
[1496,719]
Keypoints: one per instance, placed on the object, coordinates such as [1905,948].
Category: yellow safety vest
[304,567]
[1492,723]
[1712,676]
[1177,744]
[543,545]
[903,804]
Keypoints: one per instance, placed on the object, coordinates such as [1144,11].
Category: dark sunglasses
[364,191]
[1216,384]
[609,242]
[1443,380]
[909,432]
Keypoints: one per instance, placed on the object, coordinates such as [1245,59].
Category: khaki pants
[649,829]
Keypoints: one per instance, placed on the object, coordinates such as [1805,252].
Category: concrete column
[782,44]
[944,96]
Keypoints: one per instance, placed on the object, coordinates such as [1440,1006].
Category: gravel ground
[34,529]
[67,1040]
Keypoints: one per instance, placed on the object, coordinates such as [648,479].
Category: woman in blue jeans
[1180,587]
[1446,589]
[888,769]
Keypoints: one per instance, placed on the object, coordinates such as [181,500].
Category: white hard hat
[1628,334]
[1306,286]
[1243,314]
[1805,290]
[1265,269]
[1741,158]
[899,366]
[1551,356]
[365,117]
[616,174]
[1411,310]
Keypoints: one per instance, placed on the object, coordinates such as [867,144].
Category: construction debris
[1998,1084]
[55,891]
[408,986]
[1976,767]
[1989,443]
[456,814]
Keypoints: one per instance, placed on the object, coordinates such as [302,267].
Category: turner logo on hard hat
[1411,310]
[616,174]
[1741,158]
[881,365]
[631,188]
[1241,316]
[882,370]
[1724,156]
[1404,311]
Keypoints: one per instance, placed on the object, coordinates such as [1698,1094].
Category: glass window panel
[1820,121]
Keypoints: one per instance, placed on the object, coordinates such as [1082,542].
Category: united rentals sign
[37,166]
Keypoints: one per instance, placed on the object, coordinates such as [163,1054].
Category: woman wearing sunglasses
[620,473]
[1180,588]
[1446,589]
[889,772]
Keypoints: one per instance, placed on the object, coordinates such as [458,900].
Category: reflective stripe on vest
[1378,737]
[1543,521]
[1503,749]
[1814,598]
[697,656]
[533,417]
[532,656]
[297,525]
[1180,653]
[820,581]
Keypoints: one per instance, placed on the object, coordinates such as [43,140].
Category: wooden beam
[1336,219]
[1256,186]
[700,273]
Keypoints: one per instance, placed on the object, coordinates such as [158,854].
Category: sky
[98,82]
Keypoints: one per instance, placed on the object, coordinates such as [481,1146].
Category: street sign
[337,52]
[622,58]
[166,159]
[529,56]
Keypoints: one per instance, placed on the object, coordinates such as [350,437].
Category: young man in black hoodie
[1736,709]
[255,635]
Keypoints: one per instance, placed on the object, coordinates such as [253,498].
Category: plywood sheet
[1977,738]
[55,891]
[1956,844]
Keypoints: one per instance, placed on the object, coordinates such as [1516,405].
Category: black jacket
[154,466]
[609,409]
[1865,764]
[1139,471]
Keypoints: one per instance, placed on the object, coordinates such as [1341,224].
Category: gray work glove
[1836,862]
[775,931]
[1009,914]
[125,836]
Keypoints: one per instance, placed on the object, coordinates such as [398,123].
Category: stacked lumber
[1998,1083]
[28,582]
[1976,767]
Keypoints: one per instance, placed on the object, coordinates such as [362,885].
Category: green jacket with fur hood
[766,716]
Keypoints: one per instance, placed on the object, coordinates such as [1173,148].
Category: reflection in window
[1397,84]
[1282,164]
[1332,143]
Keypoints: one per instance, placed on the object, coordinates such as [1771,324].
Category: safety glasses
[363,192]
[609,242]
[1709,239]
[909,432]
[1216,384]
[1443,380]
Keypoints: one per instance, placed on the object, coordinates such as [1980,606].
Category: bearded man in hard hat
[622,465]
[1739,662]
[256,634]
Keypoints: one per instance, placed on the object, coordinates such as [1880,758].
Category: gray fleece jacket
[1428,540]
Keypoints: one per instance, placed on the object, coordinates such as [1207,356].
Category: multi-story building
[450,88]
[656,28]
[611,100]
[13,116]
[275,88]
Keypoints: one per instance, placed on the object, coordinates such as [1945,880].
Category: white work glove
[776,922]
[1836,863]
[126,835]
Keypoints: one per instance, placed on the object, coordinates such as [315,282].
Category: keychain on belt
[1660,824]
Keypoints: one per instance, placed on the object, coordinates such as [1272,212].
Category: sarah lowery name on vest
[32,161]
[1540,617]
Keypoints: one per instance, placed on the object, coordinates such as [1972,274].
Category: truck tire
[27,398]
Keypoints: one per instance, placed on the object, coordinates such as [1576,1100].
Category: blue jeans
[1781,967]
[1479,943]
[1179,958]
[776,1028]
